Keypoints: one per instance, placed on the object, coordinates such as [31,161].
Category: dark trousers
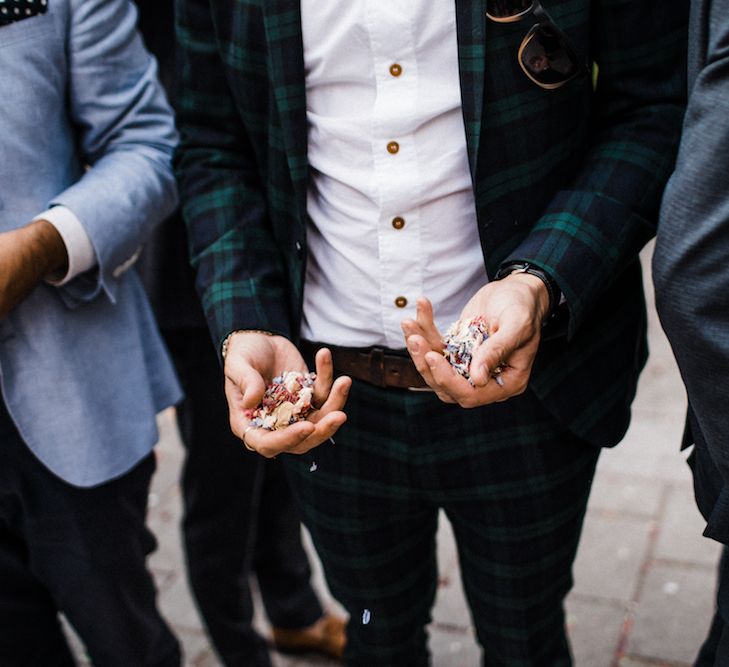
[79,551]
[715,650]
[239,517]
[711,497]
[514,486]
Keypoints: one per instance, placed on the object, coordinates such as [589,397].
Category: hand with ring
[252,360]
[246,445]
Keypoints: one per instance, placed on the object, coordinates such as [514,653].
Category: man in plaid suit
[341,162]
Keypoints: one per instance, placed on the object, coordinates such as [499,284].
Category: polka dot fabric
[17,10]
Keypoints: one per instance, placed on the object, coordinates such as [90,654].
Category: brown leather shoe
[327,636]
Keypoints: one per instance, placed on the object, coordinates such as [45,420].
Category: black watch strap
[553,291]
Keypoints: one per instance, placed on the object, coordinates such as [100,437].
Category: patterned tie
[17,10]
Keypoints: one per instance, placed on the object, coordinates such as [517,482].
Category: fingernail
[412,346]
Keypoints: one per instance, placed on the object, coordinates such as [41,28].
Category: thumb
[488,356]
[248,383]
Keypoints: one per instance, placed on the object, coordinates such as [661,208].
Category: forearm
[27,256]
[596,225]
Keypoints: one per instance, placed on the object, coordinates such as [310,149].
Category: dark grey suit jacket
[691,261]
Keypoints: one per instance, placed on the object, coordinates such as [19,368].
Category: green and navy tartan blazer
[569,179]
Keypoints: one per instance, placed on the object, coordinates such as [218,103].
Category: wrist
[548,291]
[46,249]
[225,345]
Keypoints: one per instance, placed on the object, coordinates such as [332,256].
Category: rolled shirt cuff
[81,255]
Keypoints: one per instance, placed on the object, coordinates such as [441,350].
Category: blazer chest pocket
[15,19]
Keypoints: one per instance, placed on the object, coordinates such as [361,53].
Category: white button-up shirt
[390,196]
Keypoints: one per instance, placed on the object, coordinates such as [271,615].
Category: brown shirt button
[393,147]
[398,222]
[401,302]
[395,69]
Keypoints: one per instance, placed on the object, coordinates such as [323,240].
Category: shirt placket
[395,160]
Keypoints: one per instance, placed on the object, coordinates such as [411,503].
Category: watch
[553,291]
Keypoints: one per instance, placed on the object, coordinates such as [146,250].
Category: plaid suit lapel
[282,25]
[470,25]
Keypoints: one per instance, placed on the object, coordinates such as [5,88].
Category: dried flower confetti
[286,401]
[461,342]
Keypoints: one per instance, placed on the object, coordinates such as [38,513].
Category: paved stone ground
[644,576]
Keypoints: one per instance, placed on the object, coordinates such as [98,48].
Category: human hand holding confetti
[511,311]
[461,342]
[287,400]
[252,361]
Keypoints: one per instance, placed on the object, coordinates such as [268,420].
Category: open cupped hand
[252,361]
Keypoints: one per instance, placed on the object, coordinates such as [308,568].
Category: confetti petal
[286,401]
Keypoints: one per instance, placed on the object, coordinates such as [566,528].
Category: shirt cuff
[81,255]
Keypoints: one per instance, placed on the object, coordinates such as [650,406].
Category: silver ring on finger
[245,444]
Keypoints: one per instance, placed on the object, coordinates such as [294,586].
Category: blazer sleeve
[126,137]
[691,259]
[240,270]
[593,229]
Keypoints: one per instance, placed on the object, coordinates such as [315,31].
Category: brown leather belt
[376,365]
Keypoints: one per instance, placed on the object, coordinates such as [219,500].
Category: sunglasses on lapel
[545,54]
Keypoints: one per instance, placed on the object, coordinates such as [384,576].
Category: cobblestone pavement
[644,576]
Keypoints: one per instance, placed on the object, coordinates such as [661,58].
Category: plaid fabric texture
[569,179]
[513,484]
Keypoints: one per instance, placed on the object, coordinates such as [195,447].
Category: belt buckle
[378,368]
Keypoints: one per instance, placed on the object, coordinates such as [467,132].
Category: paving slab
[450,609]
[674,614]
[660,388]
[637,662]
[680,535]
[650,449]
[164,522]
[176,605]
[196,649]
[625,495]
[453,648]
[610,556]
[594,629]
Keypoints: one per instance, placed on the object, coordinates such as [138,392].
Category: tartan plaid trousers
[514,485]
